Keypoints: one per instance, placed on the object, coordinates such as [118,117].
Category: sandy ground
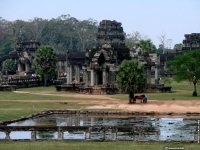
[105,102]
[177,106]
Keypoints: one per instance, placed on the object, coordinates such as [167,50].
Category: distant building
[191,41]
[102,61]
[26,54]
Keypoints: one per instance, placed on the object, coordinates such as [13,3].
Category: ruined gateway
[95,69]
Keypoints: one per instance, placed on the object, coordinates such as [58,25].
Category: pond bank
[111,113]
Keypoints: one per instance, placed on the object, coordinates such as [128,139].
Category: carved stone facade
[75,63]
[26,53]
[191,41]
[102,62]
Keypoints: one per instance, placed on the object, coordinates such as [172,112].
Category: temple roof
[76,58]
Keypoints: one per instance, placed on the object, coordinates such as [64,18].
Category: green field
[29,96]
[180,91]
[14,110]
[85,145]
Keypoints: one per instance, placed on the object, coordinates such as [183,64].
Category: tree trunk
[194,80]
[131,95]
[45,79]
[195,90]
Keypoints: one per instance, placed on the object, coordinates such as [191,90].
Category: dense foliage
[187,67]
[62,33]
[9,66]
[131,76]
[45,63]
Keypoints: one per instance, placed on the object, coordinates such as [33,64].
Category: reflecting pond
[167,129]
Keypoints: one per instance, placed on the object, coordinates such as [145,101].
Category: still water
[167,129]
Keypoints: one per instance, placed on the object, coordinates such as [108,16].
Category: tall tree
[62,33]
[8,66]
[131,76]
[133,39]
[165,43]
[187,67]
[45,63]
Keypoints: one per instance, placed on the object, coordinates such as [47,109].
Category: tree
[165,43]
[45,62]
[131,76]
[160,49]
[147,46]
[8,66]
[178,46]
[62,33]
[133,39]
[187,67]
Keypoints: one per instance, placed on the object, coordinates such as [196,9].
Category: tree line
[62,33]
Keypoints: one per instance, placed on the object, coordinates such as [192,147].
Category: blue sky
[151,18]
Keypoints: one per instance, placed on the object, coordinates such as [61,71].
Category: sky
[152,18]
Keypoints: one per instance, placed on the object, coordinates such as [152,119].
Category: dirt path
[170,106]
[102,102]
[76,95]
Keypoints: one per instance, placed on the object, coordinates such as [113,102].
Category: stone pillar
[104,134]
[92,121]
[88,133]
[104,77]
[19,67]
[198,132]
[149,75]
[77,73]
[156,74]
[114,134]
[92,78]
[86,77]
[60,134]
[69,74]
[33,135]
[7,135]
[141,136]
[27,67]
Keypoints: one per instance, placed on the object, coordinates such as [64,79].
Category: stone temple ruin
[94,70]
[111,50]
[99,65]
[97,68]
[26,53]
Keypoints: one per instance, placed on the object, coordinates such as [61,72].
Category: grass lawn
[28,96]
[14,110]
[85,145]
[39,89]
[180,91]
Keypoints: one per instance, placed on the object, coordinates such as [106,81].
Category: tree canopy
[62,33]
[147,46]
[131,76]
[45,62]
[8,66]
[187,67]
[136,40]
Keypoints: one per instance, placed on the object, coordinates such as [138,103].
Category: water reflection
[169,129]
[47,135]
[20,135]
